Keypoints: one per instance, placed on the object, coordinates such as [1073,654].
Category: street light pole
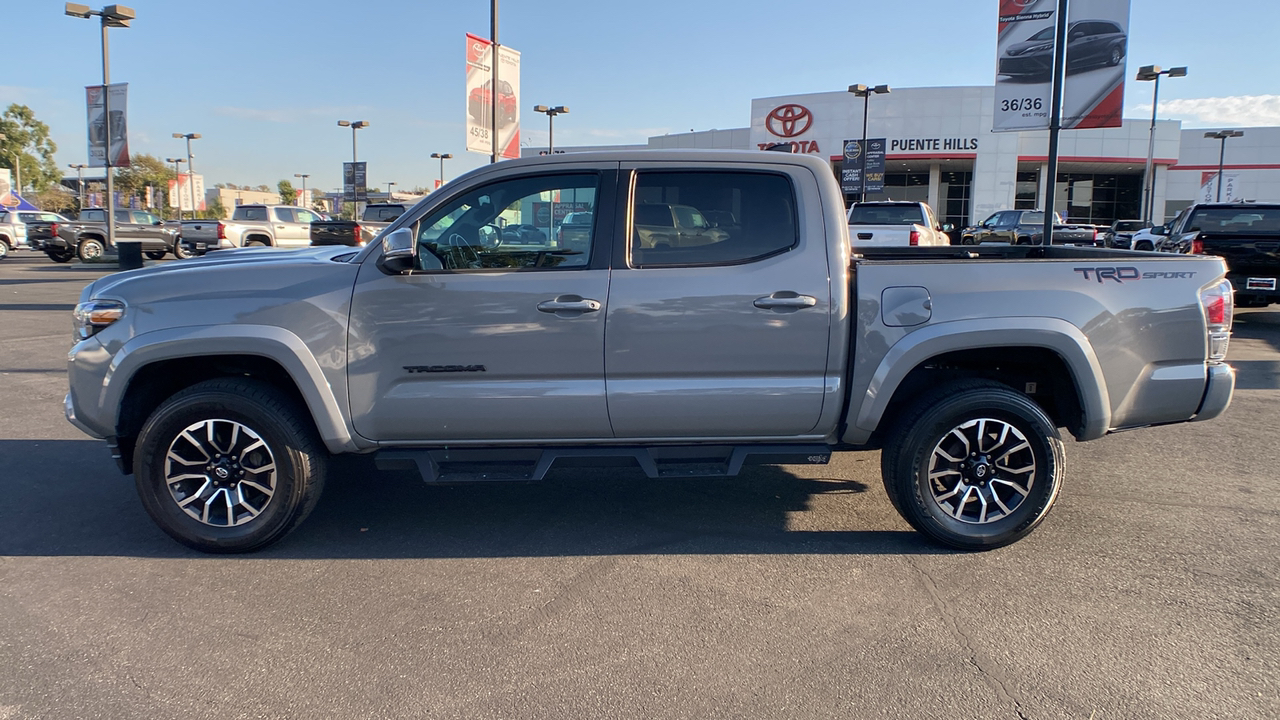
[1149,73]
[111,16]
[191,172]
[79,168]
[551,113]
[389,184]
[1222,153]
[304,177]
[443,157]
[354,125]
[865,92]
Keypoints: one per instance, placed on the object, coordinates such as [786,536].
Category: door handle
[569,303]
[785,300]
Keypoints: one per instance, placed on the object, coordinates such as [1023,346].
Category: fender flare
[273,343]
[1059,336]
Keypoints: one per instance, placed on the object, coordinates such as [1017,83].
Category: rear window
[382,214]
[250,213]
[886,215]
[1246,220]
[1130,226]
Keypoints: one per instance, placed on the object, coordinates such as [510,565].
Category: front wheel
[4,249]
[974,465]
[1145,247]
[229,465]
[90,250]
[156,254]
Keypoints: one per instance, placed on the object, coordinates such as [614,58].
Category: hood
[239,258]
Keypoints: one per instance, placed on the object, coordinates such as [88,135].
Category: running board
[526,464]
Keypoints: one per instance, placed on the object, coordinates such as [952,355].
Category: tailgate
[880,235]
[1248,255]
[333,232]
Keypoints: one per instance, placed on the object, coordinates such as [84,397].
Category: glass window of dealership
[941,150]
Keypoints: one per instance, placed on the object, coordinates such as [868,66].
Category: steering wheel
[464,250]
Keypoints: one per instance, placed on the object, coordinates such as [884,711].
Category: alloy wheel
[220,472]
[981,471]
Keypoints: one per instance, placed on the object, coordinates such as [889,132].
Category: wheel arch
[1047,351]
[257,237]
[154,368]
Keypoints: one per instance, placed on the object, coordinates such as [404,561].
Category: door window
[685,219]
[305,216]
[284,215]
[511,224]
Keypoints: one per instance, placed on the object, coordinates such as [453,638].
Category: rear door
[487,342]
[725,339]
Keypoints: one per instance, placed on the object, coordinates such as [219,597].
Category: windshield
[1236,221]
[1130,226]
[886,215]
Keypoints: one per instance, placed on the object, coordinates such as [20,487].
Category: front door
[728,338]
[487,340]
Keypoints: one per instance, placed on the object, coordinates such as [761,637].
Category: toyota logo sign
[788,121]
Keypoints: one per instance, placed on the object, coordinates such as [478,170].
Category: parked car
[660,225]
[1245,235]
[26,228]
[884,224]
[1089,43]
[1120,233]
[250,226]
[225,384]
[479,102]
[353,233]
[86,238]
[1026,227]
[575,229]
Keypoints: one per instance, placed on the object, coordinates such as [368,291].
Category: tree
[288,196]
[26,147]
[143,170]
[260,188]
[216,209]
[56,199]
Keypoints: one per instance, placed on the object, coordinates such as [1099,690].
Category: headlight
[92,316]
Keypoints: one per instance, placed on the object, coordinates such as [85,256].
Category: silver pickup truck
[226,383]
[251,225]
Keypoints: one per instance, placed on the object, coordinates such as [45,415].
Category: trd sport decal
[443,368]
[1123,274]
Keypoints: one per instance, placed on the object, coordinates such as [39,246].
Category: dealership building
[941,149]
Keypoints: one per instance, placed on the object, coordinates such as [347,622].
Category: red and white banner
[1209,187]
[182,194]
[108,125]
[1097,46]
[480,98]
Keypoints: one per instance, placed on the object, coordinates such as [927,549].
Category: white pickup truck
[895,224]
[251,225]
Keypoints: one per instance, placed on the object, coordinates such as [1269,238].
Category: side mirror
[948,227]
[158,222]
[397,251]
[1160,230]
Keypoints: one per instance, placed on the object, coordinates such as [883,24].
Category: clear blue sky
[265,81]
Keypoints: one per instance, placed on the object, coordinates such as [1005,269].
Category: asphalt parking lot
[1152,590]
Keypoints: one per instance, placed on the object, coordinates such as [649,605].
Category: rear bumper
[1218,389]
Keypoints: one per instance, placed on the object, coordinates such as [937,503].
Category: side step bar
[454,465]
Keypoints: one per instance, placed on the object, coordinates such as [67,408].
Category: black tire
[1145,247]
[289,447]
[1116,56]
[256,242]
[157,254]
[4,249]
[182,252]
[90,250]
[60,256]
[967,240]
[924,440]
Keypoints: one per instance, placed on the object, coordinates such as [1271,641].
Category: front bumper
[1218,389]
[69,407]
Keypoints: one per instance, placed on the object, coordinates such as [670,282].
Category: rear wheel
[1116,55]
[156,254]
[229,465]
[90,250]
[256,242]
[974,465]
[4,249]
[1145,246]
[60,255]
[182,252]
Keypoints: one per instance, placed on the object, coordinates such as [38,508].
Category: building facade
[940,148]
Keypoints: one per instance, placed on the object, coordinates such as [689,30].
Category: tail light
[1095,236]
[54,229]
[915,238]
[222,231]
[1197,246]
[1219,309]
[359,235]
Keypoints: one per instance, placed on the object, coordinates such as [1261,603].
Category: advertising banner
[1093,87]
[6,188]
[181,193]
[851,167]
[1209,187]
[100,110]
[479,87]
[354,179]
[874,164]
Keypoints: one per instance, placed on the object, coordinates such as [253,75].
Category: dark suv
[1120,234]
